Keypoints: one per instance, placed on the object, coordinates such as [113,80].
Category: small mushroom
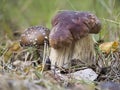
[70,37]
[36,36]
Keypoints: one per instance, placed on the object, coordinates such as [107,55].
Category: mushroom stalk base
[82,49]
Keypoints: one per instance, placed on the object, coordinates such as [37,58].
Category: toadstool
[36,36]
[70,37]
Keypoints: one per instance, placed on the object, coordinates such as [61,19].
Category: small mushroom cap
[69,26]
[34,36]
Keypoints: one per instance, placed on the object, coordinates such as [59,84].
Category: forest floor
[21,69]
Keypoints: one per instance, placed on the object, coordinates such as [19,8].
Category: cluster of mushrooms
[69,38]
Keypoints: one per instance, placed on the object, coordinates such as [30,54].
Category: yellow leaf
[10,50]
[39,67]
[27,69]
[7,55]
[15,46]
[108,47]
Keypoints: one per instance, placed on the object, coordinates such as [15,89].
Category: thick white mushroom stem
[82,49]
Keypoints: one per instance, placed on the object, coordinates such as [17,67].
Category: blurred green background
[16,15]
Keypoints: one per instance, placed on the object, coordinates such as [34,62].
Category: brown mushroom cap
[68,26]
[34,36]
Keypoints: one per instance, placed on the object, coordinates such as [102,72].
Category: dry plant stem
[82,49]
[45,54]
[44,57]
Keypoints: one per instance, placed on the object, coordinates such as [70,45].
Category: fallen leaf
[39,67]
[7,55]
[15,47]
[108,47]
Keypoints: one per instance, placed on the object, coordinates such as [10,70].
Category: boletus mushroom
[36,36]
[70,37]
